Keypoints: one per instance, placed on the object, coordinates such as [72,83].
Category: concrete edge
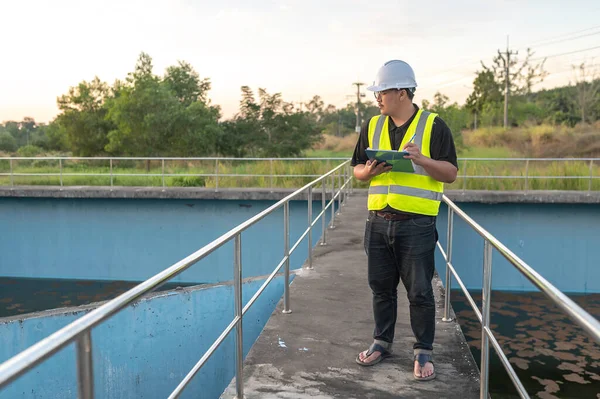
[87,192]
[276,194]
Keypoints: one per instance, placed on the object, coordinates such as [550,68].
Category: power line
[561,54]
[573,67]
[563,35]
[566,40]
[534,44]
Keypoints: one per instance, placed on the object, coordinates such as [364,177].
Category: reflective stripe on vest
[412,191]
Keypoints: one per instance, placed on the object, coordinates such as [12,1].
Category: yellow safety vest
[408,192]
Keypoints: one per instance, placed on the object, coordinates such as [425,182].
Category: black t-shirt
[441,147]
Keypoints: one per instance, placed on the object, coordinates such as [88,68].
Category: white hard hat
[394,74]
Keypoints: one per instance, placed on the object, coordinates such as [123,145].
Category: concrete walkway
[311,352]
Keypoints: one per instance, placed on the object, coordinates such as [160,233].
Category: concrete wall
[560,241]
[133,239]
[147,349]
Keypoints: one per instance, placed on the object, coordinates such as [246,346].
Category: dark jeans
[402,250]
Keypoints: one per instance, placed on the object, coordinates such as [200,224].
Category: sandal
[374,348]
[423,358]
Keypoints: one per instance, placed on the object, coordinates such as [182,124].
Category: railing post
[449,260]
[485,315]
[85,371]
[12,178]
[351,173]
[310,219]
[332,223]
[591,174]
[163,173]
[60,167]
[345,185]
[216,175]
[323,221]
[339,174]
[464,175]
[111,172]
[342,190]
[286,253]
[239,347]
[527,175]
[271,174]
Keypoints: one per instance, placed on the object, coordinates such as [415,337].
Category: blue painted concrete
[125,239]
[560,241]
[147,349]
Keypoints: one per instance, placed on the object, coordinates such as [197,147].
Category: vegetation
[170,115]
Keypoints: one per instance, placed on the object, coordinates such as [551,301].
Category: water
[552,356]
[25,295]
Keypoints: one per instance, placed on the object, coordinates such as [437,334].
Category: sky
[299,48]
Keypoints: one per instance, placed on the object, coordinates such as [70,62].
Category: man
[400,234]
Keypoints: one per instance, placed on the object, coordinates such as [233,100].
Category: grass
[189,173]
[534,141]
[535,175]
[328,154]
[540,141]
[486,152]
[509,175]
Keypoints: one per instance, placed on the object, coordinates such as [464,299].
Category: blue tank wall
[111,239]
[560,241]
[125,239]
[147,349]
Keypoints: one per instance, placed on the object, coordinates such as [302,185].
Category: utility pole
[507,80]
[358,96]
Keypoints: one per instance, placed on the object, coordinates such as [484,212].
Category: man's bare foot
[368,359]
[424,372]
[373,355]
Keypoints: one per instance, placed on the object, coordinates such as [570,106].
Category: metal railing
[526,175]
[79,331]
[580,316]
[519,169]
[112,171]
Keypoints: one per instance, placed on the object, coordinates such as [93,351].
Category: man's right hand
[371,169]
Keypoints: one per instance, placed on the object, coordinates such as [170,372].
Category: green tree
[83,117]
[588,91]
[186,84]
[315,108]
[268,126]
[487,93]
[7,142]
[12,127]
[167,116]
[455,116]
[56,136]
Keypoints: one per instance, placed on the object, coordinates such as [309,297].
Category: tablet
[394,158]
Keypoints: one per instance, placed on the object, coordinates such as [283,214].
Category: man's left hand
[414,154]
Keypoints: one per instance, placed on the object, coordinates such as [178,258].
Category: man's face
[390,100]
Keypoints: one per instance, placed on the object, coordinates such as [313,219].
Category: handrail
[80,329]
[567,305]
[177,158]
[275,159]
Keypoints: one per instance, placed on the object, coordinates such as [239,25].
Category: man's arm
[442,171]
[442,166]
